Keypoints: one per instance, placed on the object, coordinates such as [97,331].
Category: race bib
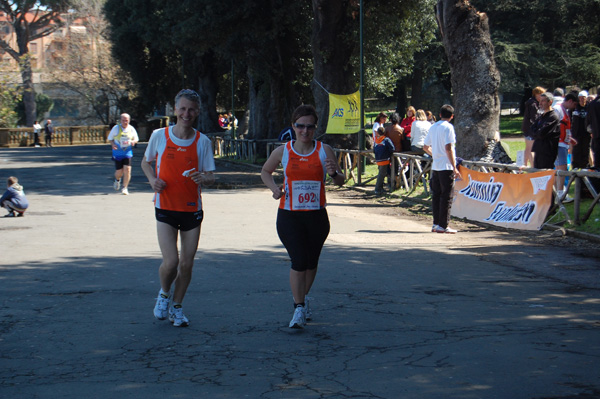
[124,142]
[306,195]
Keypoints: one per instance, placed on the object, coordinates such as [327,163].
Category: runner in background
[122,138]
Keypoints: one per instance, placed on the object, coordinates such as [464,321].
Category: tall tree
[9,98]
[333,49]
[143,48]
[538,42]
[475,78]
[30,20]
[88,68]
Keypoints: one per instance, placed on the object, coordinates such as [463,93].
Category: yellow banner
[517,201]
[344,114]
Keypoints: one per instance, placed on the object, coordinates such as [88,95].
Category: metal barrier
[241,149]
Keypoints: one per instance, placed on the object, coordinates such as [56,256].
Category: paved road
[399,312]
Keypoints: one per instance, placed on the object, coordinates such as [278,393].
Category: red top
[406,124]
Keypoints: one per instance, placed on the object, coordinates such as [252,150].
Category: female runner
[302,222]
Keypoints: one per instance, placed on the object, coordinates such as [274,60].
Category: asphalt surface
[399,312]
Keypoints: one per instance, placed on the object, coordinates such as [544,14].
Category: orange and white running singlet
[304,178]
[181,193]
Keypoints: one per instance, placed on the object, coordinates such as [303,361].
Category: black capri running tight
[303,234]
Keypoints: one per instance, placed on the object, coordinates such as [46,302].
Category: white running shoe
[177,317]
[117,185]
[125,191]
[299,319]
[567,198]
[308,311]
[450,231]
[161,307]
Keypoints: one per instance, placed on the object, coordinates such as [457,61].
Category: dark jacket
[529,116]
[49,129]
[593,118]
[383,149]
[580,153]
[545,132]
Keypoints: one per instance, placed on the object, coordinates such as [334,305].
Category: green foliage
[9,98]
[43,104]
[548,43]
[395,33]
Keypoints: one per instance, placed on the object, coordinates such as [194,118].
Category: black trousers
[442,190]
[303,234]
[596,151]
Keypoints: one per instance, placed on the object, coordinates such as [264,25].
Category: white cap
[583,93]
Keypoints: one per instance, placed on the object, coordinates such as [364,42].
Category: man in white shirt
[439,143]
[122,138]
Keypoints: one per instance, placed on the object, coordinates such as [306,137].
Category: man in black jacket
[49,130]
[592,121]
[545,133]
[580,153]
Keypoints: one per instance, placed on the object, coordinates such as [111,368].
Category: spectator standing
[563,111]
[530,115]
[558,95]
[439,143]
[592,122]
[13,199]
[580,154]
[383,148]
[545,132]
[49,132]
[394,132]
[406,125]
[37,128]
[287,134]
[419,129]
[380,120]
[430,117]
[122,138]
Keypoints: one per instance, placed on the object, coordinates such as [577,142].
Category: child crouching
[14,199]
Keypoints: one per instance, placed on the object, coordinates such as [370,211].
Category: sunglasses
[302,126]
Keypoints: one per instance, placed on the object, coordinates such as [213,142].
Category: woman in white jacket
[420,128]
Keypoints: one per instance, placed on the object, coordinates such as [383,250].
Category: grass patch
[510,126]
[513,147]
[592,225]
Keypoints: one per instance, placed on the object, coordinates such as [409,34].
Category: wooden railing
[63,135]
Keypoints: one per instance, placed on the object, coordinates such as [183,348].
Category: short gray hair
[188,94]
[549,96]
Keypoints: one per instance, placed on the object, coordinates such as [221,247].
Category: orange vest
[181,193]
[304,178]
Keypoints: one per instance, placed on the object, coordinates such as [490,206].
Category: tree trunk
[207,89]
[401,98]
[475,78]
[259,101]
[332,52]
[416,92]
[24,60]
